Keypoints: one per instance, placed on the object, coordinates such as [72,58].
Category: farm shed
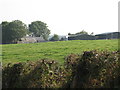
[81,37]
[30,39]
[110,35]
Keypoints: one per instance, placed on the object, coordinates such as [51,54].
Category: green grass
[13,53]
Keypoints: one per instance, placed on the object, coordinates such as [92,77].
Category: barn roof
[107,33]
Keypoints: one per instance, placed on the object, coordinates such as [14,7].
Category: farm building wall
[81,37]
[114,35]
[30,39]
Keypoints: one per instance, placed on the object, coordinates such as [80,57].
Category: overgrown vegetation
[95,69]
[39,74]
[92,69]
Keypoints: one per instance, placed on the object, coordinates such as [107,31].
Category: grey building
[30,39]
[110,35]
[81,37]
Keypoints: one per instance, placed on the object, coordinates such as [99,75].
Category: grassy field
[13,53]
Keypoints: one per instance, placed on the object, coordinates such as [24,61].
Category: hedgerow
[95,69]
[39,74]
[92,69]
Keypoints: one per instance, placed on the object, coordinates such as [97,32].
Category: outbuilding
[81,37]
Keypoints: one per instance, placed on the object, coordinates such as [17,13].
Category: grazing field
[13,53]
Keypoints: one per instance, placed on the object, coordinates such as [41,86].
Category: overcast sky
[64,16]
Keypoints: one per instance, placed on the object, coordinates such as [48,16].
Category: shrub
[39,74]
[97,70]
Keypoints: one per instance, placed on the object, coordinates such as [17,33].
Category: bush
[96,69]
[55,38]
[39,74]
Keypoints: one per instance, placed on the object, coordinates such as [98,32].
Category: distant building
[110,35]
[31,39]
[81,37]
[63,38]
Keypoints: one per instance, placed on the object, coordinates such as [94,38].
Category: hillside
[13,53]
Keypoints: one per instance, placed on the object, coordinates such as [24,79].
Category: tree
[82,32]
[5,34]
[39,29]
[55,38]
[62,39]
[92,33]
[13,31]
[69,33]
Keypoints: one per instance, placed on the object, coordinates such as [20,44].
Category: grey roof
[30,39]
[39,38]
[107,33]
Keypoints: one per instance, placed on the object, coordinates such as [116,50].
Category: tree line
[15,30]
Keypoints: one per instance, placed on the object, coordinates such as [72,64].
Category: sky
[64,16]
